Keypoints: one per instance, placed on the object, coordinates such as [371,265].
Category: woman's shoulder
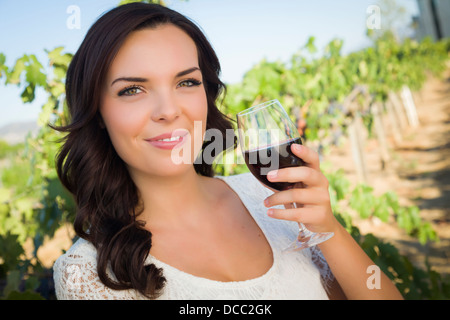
[71,269]
[81,251]
[76,278]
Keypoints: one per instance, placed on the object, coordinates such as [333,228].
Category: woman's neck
[174,200]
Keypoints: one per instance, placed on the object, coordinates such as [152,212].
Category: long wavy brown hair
[108,202]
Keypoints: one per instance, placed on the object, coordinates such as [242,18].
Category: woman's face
[152,100]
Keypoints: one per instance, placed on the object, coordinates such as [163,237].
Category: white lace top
[294,275]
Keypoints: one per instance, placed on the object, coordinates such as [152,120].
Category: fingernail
[297,147]
[266,202]
[272,174]
[270,212]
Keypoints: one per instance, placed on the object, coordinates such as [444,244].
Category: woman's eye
[130,91]
[189,83]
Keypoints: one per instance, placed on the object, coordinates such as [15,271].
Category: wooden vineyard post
[356,140]
[398,110]
[356,131]
[394,125]
[381,135]
[410,106]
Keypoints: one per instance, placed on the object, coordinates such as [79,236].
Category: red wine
[263,160]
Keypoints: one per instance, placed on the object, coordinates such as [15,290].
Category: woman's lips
[168,141]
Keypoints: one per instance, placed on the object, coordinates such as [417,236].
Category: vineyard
[369,114]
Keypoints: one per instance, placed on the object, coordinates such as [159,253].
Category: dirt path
[419,172]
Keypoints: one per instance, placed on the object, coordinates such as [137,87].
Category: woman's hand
[310,193]
[314,210]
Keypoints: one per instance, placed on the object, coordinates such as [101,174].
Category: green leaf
[10,250]
[19,67]
[363,201]
[28,93]
[44,115]
[311,46]
[2,59]
[25,207]
[381,209]
[27,295]
[57,58]
[5,195]
[426,233]
[363,70]
[3,67]
[12,282]
[34,74]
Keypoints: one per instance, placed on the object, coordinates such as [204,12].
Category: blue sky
[243,32]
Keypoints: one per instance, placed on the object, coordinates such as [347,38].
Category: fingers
[302,196]
[307,175]
[285,214]
[316,217]
[313,218]
[309,156]
[310,193]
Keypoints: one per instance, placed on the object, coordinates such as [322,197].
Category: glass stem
[303,231]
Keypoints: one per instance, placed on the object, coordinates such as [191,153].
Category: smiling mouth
[176,138]
[169,141]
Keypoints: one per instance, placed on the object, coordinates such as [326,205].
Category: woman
[137,89]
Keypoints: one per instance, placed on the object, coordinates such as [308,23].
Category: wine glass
[266,134]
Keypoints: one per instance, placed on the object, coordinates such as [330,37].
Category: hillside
[17,131]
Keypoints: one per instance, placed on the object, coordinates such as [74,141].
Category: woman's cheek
[124,127]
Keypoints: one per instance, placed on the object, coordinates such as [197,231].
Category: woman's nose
[166,108]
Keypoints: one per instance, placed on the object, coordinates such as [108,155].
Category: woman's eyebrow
[187,71]
[130,79]
[138,79]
